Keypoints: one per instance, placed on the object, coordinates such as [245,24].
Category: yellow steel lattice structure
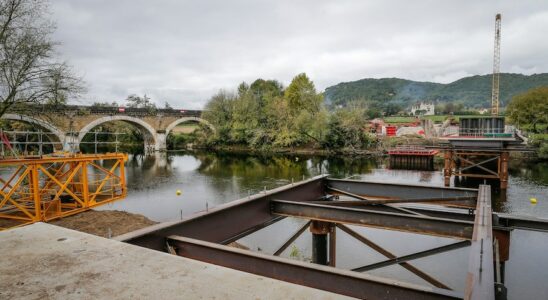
[51,187]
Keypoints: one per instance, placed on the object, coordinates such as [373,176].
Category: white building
[423,109]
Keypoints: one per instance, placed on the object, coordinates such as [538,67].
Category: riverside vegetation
[264,115]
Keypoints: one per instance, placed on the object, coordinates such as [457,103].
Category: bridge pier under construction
[481,150]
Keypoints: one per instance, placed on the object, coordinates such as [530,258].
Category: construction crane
[496,69]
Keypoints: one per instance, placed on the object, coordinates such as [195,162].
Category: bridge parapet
[103,110]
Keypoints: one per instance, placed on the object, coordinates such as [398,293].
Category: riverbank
[380,149]
[110,223]
[292,151]
[105,223]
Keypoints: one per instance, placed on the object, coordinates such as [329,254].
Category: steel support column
[503,170]
[448,167]
[319,230]
[333,246]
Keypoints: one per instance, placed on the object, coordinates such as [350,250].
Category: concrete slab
[43,261]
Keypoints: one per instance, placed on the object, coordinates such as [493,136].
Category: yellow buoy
[533,200]
[178,192]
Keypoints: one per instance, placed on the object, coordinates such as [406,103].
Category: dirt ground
[98,222]
[105,223]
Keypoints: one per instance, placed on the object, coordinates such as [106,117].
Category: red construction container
[391,130]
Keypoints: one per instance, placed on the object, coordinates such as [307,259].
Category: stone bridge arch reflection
[147,131]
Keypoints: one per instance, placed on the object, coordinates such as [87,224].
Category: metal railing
[478,132]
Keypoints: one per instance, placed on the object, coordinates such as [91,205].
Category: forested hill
[473,91]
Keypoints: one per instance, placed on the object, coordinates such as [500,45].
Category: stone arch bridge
[69,124]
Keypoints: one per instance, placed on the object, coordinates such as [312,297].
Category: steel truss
[388,206]
[473,164]
[47,188]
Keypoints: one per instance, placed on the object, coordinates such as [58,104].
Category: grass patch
[399,119]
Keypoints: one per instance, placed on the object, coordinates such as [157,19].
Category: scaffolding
[51,187]
[15,143]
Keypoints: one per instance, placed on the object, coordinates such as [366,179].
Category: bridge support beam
[71,143]
[161,141]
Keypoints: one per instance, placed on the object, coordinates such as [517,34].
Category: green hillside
[473,91]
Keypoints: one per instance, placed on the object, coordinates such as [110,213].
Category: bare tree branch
[28,71]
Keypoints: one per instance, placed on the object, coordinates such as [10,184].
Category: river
[207,180]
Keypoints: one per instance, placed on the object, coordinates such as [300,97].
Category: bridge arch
[149,133]
[44,124]
[188,119]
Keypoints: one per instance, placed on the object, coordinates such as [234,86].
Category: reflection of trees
[281,166]
[341,167]
[533,172]
[252,170]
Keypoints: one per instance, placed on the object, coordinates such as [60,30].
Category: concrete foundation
[43,261]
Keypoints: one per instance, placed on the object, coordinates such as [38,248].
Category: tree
[346,127]
[29,71]
[218,112]
[135,101]
[530,110]
[392,109]
[301,94]
[105,104]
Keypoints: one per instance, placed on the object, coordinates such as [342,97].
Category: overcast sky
[183,52]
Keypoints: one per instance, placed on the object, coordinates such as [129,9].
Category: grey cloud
[184,51]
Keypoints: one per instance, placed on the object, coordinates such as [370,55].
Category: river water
[207,180]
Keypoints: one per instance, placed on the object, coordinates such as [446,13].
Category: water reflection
[217,178]
[207,180]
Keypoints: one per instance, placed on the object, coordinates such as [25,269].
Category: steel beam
[295,236]
[370,201]
[501,221]
[413,256]
[465,200]
[338,281]
[480,279]
[520,222]
[468,202]
[229,221]
[473,164]
[398,191]
[392,221]
[390,255]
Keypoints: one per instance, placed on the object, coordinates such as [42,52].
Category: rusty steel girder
[202,235]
